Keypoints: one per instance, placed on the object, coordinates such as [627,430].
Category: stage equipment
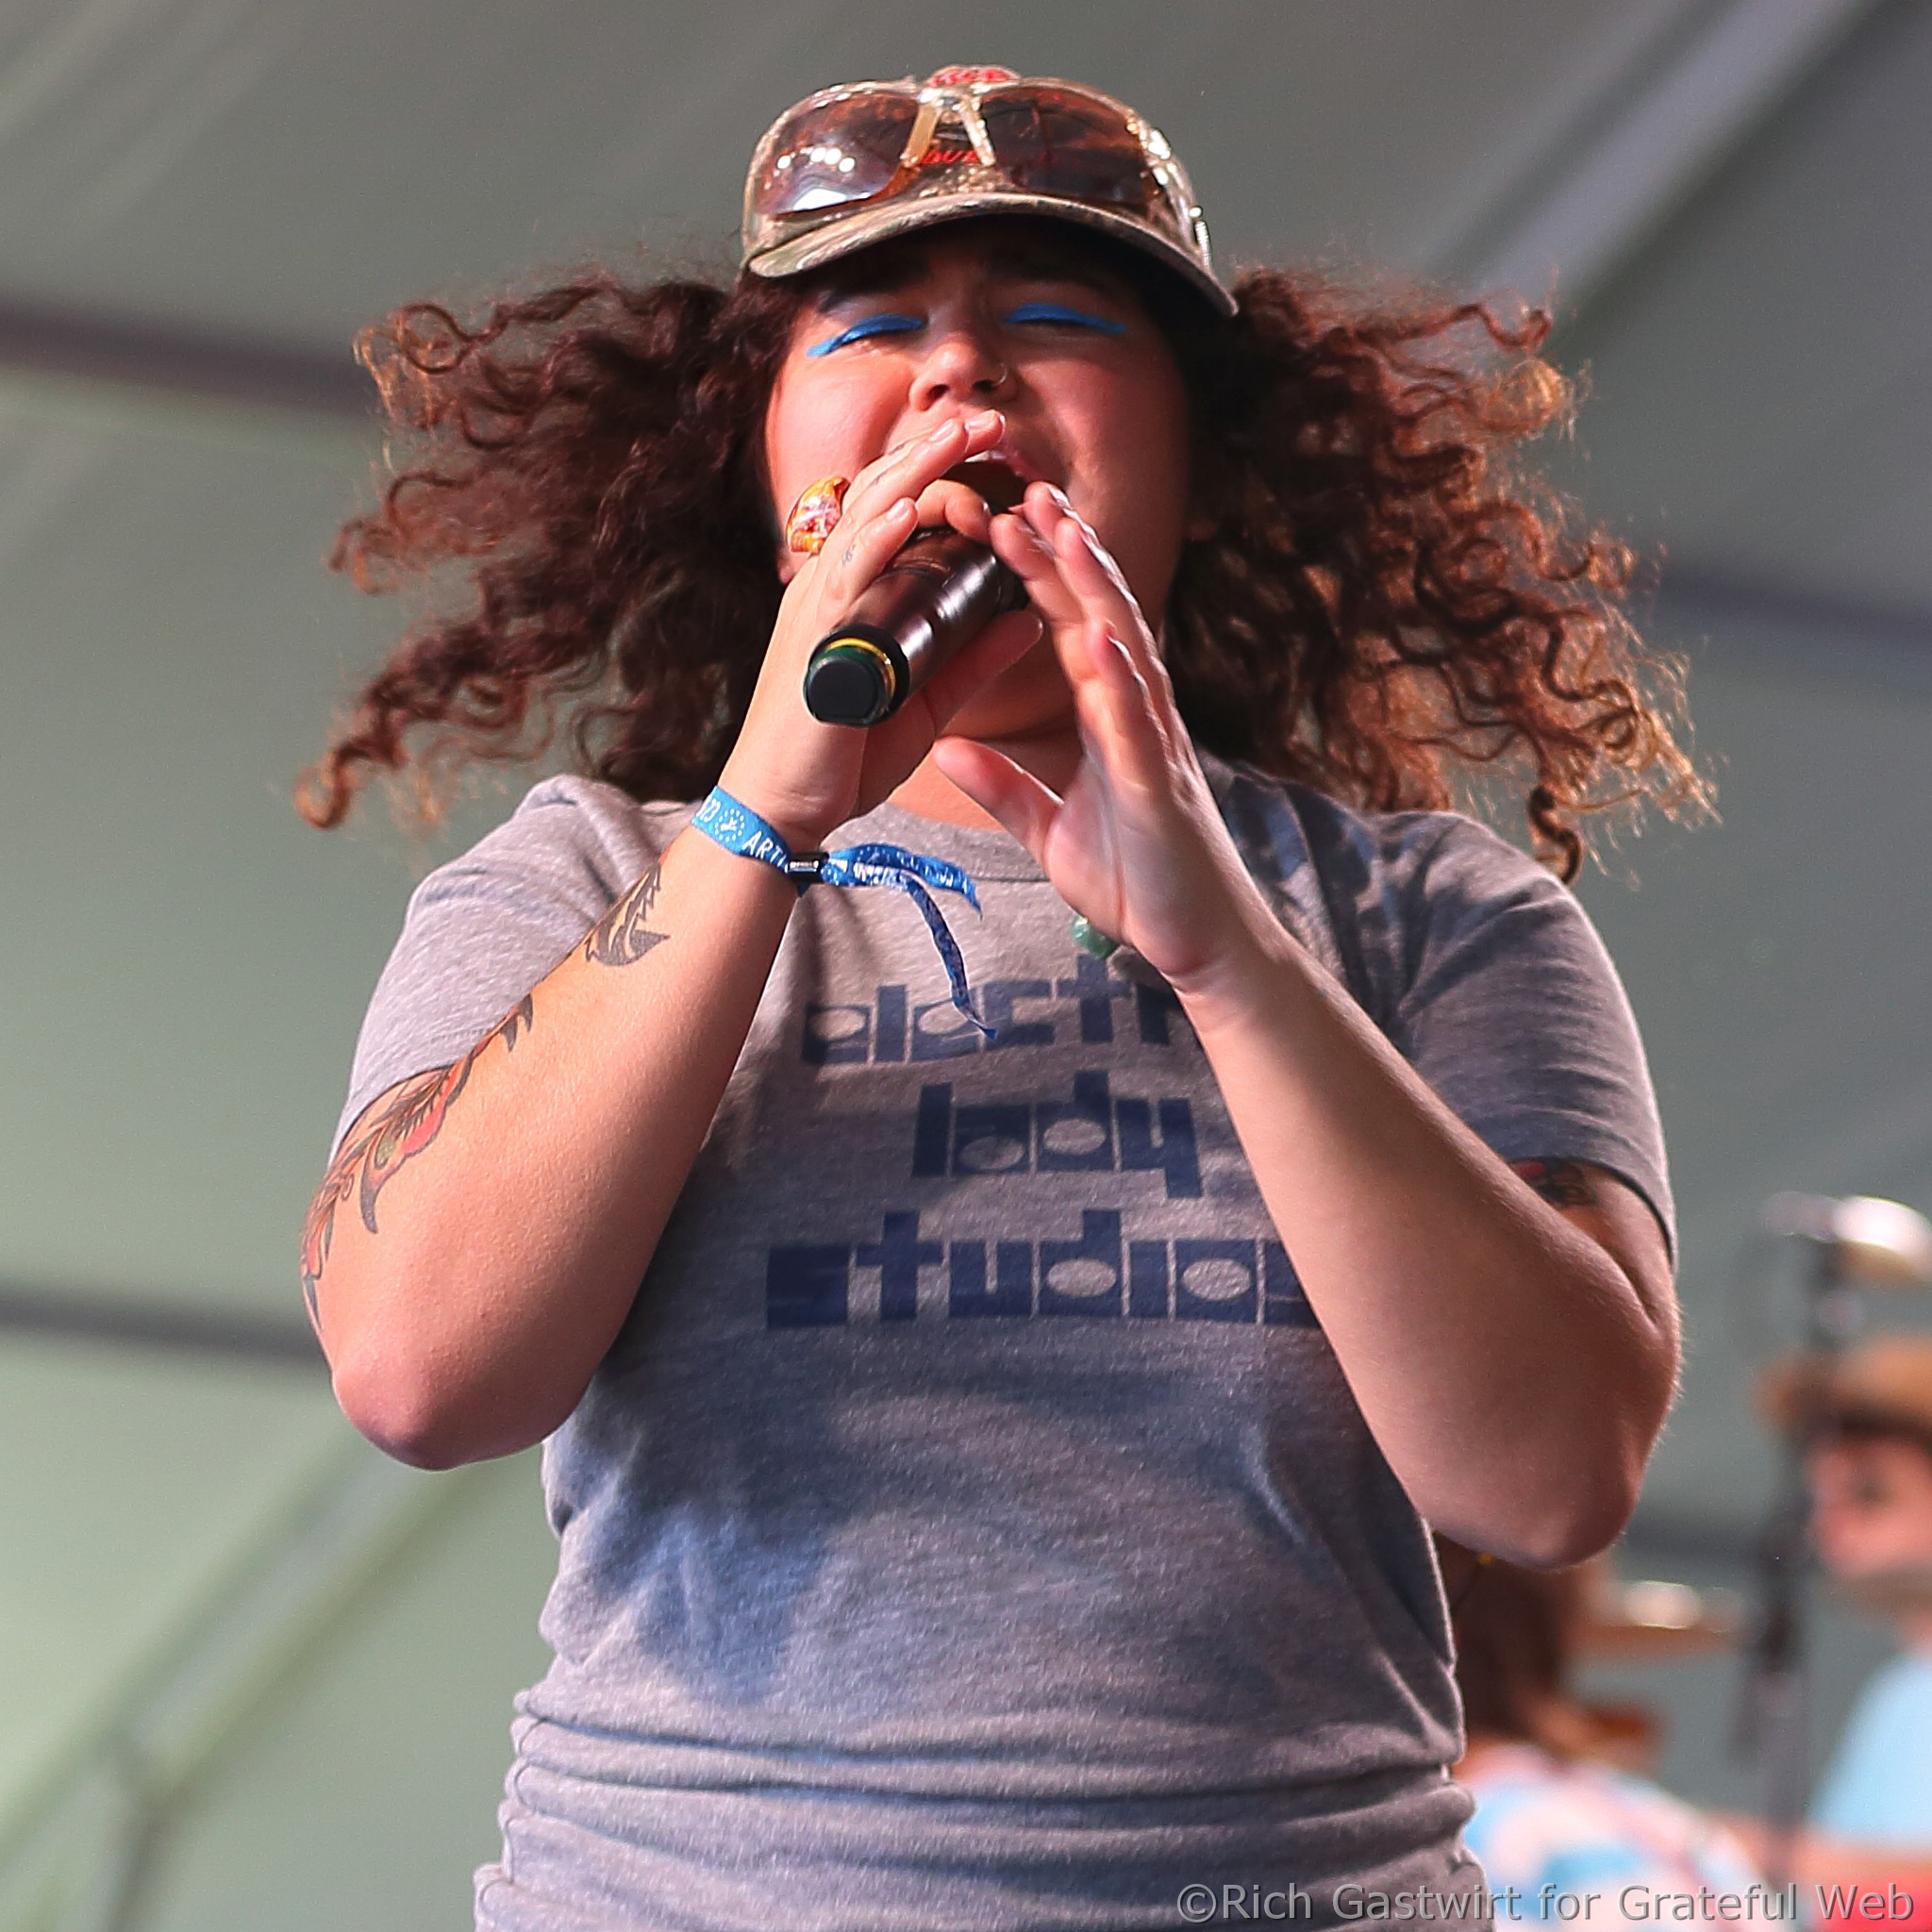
[1872,1242]
[1651,1620]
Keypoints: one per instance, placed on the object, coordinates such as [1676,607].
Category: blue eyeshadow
[887,324]
[1059,311]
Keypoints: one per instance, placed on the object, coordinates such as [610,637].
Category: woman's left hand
[1538,1342]
[1133,842]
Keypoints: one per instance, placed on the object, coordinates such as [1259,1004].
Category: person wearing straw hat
[1002,1503]
[1867,1422]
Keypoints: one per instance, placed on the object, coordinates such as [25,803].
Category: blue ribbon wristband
[740,829]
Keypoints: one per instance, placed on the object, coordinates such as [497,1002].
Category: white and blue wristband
[740,829]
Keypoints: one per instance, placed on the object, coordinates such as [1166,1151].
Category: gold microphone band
[888,673]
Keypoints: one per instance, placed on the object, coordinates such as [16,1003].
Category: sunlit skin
[997,340]
[1872,1510]
[1870,1517]
[1061,373]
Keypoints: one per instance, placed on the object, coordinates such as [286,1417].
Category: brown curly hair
[1386,600]
[1520,1637]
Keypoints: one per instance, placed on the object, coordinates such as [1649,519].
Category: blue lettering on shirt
[1083,1277]
[1092,1133]
[1011,1292]
[1157,1010]
[1095,989]
[836,1034]
[1077,1137]
[810,1286]
[1213,1282]
[957,1038]
[850,1033]
[1283,1304]
[805,1288]
[899,1255]
[1172,1155]
[998,996]
[1147,1281]
[892,1033]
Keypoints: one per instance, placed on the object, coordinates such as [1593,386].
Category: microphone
[1884,1244]
[932,600]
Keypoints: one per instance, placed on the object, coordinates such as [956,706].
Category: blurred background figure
[1868,1467]
[1562,1810]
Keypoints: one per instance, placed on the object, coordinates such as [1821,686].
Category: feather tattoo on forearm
[371,1159]
[414,1118]
[620,936]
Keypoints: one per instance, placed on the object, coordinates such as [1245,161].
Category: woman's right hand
[807,777]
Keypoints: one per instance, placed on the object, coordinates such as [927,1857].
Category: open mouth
[994,477]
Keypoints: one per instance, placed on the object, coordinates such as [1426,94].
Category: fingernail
[982,420]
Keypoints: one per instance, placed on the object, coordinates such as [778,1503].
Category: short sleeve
[1509,1006]
[1879,1785]
[482,930]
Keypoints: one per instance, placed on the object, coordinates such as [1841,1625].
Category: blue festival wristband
[740,829]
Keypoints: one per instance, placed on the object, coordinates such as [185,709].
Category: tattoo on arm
[369,1159]
[415,1114]
[620,936]
[1562,1183]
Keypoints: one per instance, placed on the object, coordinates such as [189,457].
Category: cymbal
[1653,1620]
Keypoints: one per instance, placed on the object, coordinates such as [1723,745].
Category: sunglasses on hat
[856,164]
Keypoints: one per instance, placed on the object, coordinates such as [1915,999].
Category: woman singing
[993,1398]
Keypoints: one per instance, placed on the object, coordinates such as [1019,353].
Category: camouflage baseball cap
[856,165]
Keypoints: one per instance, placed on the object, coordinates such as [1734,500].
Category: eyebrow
[878,277]
[1040,265]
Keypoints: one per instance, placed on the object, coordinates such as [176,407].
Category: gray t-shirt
[970,1527]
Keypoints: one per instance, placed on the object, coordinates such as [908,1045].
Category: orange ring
[815,515]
